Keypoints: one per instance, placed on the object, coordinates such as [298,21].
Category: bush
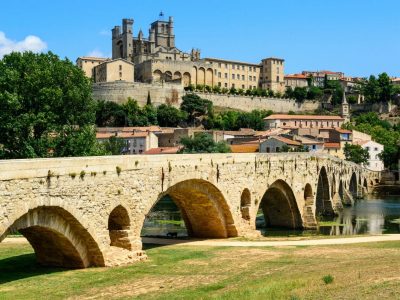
[327,279]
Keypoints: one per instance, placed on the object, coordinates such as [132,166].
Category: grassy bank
[363,271]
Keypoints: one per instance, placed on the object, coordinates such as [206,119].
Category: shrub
[327,279]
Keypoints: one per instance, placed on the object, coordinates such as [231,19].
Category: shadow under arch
[308,194]
[353,185]
[323,199]
[279,206]
[58,238]
[341,191]
[203,208]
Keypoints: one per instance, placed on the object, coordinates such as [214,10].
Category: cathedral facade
[157,59]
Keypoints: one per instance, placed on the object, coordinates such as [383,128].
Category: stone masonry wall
[119,92]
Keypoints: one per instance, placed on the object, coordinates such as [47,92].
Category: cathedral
[156,59]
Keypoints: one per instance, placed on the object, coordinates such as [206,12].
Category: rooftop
[302,117]
[230,61]
[332,145]
[286,140]
[163,150]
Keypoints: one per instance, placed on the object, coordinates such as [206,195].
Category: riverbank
[351,271]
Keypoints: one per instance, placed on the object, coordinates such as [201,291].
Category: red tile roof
[332,145]
[122,135]
[163,150]
[296,76]
[340,130]
[286,140]
[302,117]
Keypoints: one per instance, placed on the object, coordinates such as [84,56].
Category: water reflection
[368,216]
[164,220]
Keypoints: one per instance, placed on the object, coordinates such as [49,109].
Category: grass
[173,222]
[360,271]
[329,224]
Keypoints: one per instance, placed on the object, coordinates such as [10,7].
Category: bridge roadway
[89,211]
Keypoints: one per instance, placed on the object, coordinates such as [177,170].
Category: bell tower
[345,111]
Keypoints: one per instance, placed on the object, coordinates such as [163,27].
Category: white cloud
[96,53]
[30,43]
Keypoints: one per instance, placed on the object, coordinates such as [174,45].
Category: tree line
[193,111]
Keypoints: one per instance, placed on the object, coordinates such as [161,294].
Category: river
[373,215]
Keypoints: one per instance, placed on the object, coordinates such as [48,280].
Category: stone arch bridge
[81,212]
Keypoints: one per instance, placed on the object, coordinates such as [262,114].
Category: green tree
[114,145]
[109,114]
[385,88]
[203,143]
[148,102]
[300,93]
[314,92]
[356,153]
[46,107]
[170,116]
[289,93]
[196,107]
[370,90]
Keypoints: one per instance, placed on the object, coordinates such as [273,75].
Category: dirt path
[233,243]
[318,242]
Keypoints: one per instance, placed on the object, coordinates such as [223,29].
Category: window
[219,83]
[219,74]
[243,86]
[233,76]
[376,148]
[226,85]
[268,150]
[277,149]
[226,75]
[219,65]
[226,66]
[238,77]
[242,77]
[277,70]
[233,85]
[215,71]
[314,147]
[277,78]
[243,68]
[250,78]
[120,67]
[120,74]
[250,69]
[233,67]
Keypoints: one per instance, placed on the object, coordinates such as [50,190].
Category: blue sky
[358,37]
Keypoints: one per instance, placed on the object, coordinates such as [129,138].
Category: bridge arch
[203,208]
[279,206]
[323,199]
[308,194]
[245,204]
[118,227]
[353,185]
[58,238]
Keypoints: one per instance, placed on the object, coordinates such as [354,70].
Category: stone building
[113,70]
[302,121]
[157,59]
[87,63]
